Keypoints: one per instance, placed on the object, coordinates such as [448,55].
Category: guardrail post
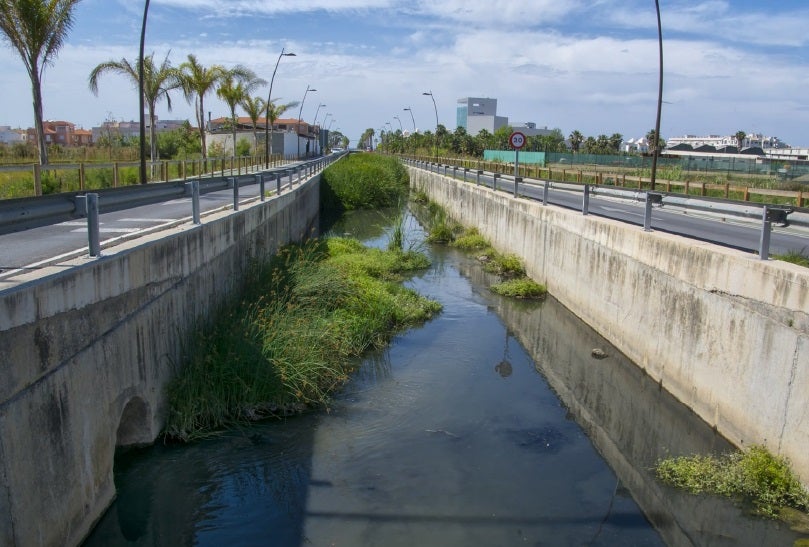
[260,181]
[517,181]
[647,216]
[477,176]
[290,178]
[454,171]
[495,176]
[278,183]
[545,192]
[465,172]
[585,206]
[445,169]
[235,183]
[766,230]
[192,188]
[93,235]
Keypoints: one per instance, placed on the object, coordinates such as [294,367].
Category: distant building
[752,140]
[290,136]
[635,146]
[476,114]
[62,133]
[11,136]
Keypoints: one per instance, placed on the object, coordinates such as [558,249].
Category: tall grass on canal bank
[292,339]
[362,181]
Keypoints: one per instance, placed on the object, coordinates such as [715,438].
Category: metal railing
[768,214]
[23,213]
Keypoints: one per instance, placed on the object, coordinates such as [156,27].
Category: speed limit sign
[517,140]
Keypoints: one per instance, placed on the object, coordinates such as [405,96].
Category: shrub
[520,288]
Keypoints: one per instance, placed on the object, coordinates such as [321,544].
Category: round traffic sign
[517,140]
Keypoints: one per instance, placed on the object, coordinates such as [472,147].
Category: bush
[520,288]
[363,181]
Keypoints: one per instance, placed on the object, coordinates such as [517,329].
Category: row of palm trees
[37,29]
[234,86]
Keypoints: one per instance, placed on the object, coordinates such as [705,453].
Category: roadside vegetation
[362,181]
[801,258]
[754,476]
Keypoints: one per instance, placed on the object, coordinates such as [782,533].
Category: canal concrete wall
[87,349]
[724,332]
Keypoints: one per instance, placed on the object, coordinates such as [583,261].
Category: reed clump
[292,339]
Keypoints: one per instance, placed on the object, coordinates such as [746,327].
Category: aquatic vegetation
[520,288]
[363,181]
[292,339]
[755,476]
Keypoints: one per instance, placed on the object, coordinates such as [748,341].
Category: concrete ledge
[88,347]
[725,333]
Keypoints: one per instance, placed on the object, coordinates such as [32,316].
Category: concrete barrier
[724,332]
[88,347]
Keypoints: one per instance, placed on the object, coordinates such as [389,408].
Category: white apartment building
[720,141]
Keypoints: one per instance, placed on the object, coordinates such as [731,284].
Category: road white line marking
[109,230]
[146,220]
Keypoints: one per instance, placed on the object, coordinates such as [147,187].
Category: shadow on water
[449,436]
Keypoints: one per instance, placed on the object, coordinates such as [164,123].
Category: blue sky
[567,64]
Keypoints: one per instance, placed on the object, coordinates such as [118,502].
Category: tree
[654,143]
[575,138]
[197,81]
[37,30]
[740,137]
[367,138]
[275,111]
[158,81]
[237,84]
[615,142]
[254,107]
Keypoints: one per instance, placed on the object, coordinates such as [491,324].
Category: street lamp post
[435,136]
[659,96]
[141,98]
[412,118]
[300,112]
[317,112]
[267,121]
[326,117]
[400,122]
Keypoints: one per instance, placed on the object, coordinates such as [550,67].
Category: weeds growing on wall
[293,338]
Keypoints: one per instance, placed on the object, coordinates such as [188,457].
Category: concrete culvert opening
[133,428]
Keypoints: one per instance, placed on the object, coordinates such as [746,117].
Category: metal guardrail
[24,213]
[767,214]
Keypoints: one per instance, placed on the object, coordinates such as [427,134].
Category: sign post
[517,141]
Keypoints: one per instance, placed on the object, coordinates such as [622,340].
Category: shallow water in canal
[490,425]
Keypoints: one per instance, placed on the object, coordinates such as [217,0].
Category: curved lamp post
[267,122]
[314,122]
[412,118]
[141,99]
[300,111]
[400,123]
[435,136]
[659,96]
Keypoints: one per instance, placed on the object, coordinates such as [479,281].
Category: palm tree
[575,138]
[157,82]
[740,137]
[655,143]
[253,107]
[275,111]
[196,82]
[237,84]
[37,30]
